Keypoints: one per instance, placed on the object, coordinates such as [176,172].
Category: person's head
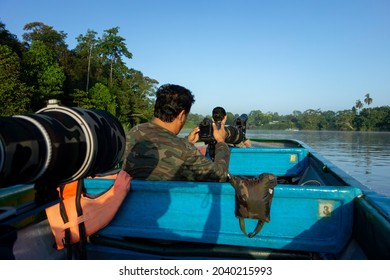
[171,101]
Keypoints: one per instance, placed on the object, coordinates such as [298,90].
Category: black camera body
[234,134]
[206,131]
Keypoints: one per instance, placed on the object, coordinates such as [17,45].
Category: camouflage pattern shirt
[155,153]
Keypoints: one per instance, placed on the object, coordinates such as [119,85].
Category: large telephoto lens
[234,135]
[58,144]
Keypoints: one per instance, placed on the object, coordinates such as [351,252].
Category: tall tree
[135,97]
[10,40]
[38,31]
[344,120]
[311,119]
[358,105]
[46,75]
[368,99]
[112,48]
[85,48]
[101,98]
[54,40]
[258,118]
[14,94]
[81,99]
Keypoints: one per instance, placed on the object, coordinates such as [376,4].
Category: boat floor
[36,242]
[139,248]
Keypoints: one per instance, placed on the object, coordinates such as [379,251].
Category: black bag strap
[257,229]
[83,237]
[64,216]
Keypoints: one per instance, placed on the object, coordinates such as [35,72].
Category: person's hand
[220,134]
[193,137]
[248,143]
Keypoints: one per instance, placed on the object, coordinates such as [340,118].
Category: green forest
[94,75]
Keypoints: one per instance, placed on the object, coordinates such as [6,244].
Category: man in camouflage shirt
[155,152]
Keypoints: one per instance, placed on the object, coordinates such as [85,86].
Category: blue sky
[244,55]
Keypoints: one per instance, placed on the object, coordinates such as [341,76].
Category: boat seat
[283,162]
[313,219]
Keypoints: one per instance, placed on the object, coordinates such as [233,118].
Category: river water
[363,155]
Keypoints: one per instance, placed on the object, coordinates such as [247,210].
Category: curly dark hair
[171,100]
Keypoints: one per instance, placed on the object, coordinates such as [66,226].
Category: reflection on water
[363,155]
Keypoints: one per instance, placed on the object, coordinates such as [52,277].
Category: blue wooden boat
[318,212]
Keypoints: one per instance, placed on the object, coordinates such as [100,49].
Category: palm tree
[358,105]
[368,99]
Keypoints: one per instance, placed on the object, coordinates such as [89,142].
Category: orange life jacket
[96,211]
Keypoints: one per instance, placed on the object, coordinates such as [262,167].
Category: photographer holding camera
[235,135]
[155,152]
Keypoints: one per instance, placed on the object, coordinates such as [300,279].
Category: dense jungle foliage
[94,75]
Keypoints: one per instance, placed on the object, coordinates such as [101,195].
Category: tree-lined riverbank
[94,75]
